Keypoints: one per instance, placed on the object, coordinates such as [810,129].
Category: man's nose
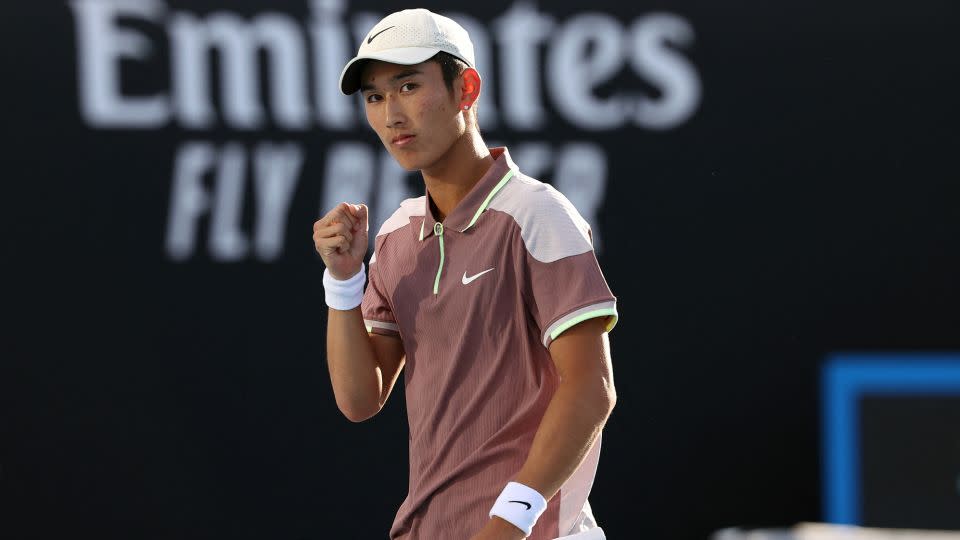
[395,116]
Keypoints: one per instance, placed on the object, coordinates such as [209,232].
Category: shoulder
[551,227]
[409,208]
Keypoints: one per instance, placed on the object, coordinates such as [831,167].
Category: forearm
[570,426]
[354,370]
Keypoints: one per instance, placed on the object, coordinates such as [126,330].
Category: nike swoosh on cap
[370,39]
[467,280]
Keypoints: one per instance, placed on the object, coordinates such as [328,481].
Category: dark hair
[450,66]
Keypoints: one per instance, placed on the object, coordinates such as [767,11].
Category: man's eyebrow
[406,73]
[364,87]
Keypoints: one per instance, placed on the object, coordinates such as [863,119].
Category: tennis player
[486,289]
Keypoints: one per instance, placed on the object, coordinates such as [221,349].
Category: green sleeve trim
[606,312]
[486,202]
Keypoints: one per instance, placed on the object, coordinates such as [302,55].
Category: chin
[409,161]
[407,164]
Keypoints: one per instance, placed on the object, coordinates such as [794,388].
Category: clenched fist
[341,237]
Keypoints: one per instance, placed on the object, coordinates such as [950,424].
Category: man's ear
[471,88]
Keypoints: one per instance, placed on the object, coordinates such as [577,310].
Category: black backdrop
[805,205]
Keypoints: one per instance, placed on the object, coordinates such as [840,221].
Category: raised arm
[363,367]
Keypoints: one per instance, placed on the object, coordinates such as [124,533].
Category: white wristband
[519,505]
[344,294]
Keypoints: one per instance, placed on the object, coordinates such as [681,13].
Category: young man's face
[413,112]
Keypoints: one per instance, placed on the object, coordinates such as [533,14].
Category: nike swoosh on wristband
[466,280]
[529,506]
[370,39]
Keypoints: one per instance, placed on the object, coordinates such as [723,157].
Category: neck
[454,175]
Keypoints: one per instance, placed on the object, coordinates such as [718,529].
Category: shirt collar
[468,210]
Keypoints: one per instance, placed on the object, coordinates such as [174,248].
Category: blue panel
[848,377]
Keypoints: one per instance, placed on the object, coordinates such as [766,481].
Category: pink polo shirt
[476,301]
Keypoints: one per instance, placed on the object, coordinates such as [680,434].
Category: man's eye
[373,98]
[408,87]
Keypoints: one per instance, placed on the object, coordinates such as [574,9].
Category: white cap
[408,37]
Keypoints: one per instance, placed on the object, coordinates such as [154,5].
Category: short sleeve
[564,282]
[567,292]
[377,314]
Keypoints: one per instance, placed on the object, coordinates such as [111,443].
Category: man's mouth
[402,140]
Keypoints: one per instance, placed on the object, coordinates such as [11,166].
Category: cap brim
[406,56]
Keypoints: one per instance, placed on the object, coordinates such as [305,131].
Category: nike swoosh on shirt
[466,280]
[370,39]
[529,506]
